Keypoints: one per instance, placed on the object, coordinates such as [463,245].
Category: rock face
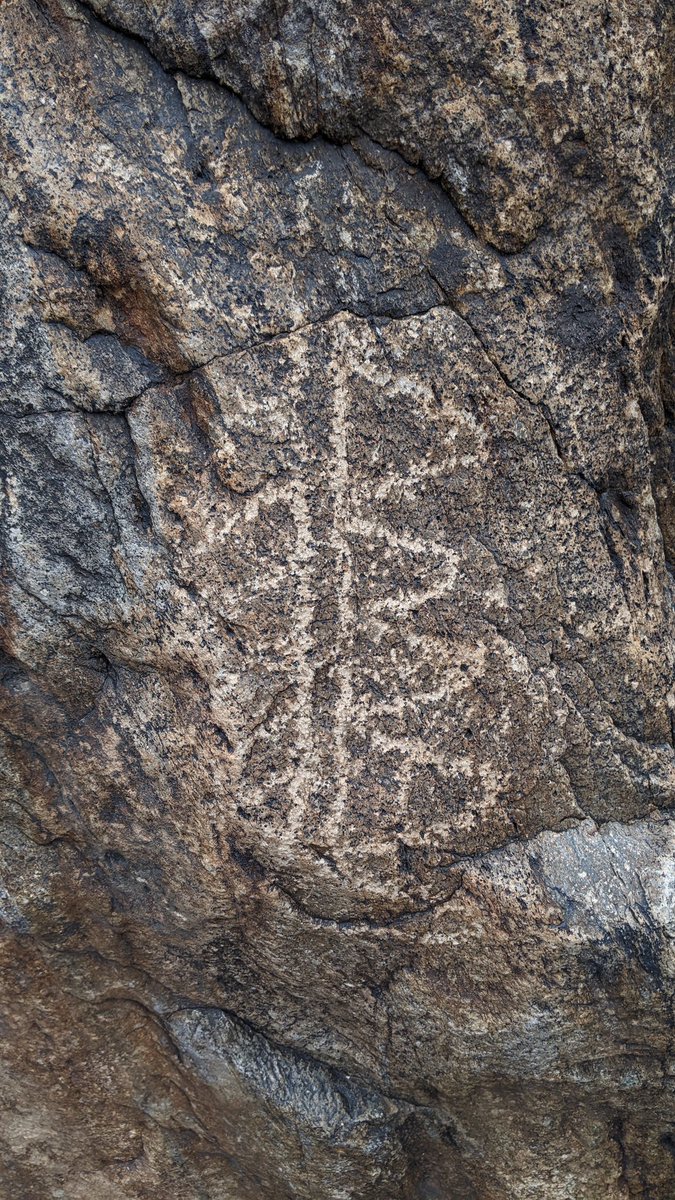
[337,629]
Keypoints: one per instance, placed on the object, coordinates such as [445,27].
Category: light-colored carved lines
[444,571]
[301,778]
[345,603]
[438,561]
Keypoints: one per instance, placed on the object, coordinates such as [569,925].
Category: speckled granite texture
[338,522]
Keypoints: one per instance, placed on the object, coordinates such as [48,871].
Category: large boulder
[338,519]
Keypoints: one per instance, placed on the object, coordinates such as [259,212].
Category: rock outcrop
[338,525]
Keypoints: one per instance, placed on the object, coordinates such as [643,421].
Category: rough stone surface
[338,518]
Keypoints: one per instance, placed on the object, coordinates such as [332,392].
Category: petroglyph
[337,526]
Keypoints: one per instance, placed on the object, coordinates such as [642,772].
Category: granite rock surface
[336,595]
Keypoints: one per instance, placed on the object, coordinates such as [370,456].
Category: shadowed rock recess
[338,521]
